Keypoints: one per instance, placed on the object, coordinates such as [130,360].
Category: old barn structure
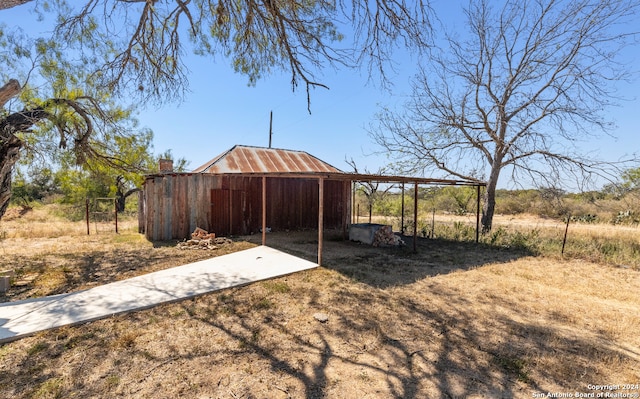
[225,195]
[247,189]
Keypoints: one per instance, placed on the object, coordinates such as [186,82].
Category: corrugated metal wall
[174,205]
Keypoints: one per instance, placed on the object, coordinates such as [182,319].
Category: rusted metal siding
[176,204]
[244,159]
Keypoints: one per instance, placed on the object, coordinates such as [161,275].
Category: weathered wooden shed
[226,196]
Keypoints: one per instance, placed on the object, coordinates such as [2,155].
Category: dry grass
[51,255]
[595,242]
[455,320]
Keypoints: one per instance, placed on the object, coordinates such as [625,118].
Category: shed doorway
[226,212]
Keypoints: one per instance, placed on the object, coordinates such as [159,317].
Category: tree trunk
[9,155]
[10,145]
[489,205]
[122,197]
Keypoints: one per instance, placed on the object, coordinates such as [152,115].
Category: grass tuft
[279,287]
[37,348]
[514,366]
[52,388]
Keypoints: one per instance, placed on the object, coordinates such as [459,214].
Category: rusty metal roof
[247,159]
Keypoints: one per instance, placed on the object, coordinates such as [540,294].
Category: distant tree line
[615,203]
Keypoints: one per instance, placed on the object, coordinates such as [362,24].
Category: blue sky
[221,110]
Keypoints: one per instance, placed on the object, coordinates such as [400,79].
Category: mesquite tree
[137,47]
[528,80]
[134,49]
[58,113]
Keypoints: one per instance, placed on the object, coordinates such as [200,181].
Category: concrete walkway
[22,318]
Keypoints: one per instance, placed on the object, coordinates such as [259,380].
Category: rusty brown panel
[255,202]
[335,203]
[186,213]
[311,163]
[244,159]
[175,204]
[181,228]
[287,161]
[250,161]
[273,161]
[178,200]
[219,212]
[237,199]
[149,203]
[232,164]
[192,193]
[202,202]
[167,208]
[291,204]
[157,209]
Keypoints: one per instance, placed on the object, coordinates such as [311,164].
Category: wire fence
[102,214]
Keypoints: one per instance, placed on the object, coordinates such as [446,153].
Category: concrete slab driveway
[22,318]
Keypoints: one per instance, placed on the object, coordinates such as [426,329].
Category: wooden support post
[478,215]
[346,219]
[87,215]
[264,210]
[415,218]
[354,210]
[402,212]
[115,208]
[320,218]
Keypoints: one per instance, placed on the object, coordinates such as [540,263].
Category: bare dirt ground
[455,320]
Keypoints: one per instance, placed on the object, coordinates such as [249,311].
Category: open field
[455,320]
[597,242]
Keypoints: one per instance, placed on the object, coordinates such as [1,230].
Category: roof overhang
[353,177]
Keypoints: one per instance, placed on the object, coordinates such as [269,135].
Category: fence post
[415,218]
[566,230]
[87,214]
[478,215]
[402,212]
[433,224]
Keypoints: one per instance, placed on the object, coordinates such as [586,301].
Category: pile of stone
[384,237]
[202,239]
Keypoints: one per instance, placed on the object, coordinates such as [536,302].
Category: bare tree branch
[531,79]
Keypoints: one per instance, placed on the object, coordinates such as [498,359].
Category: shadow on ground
[391,333]
[383,267]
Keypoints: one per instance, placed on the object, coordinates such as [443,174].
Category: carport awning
[357,177]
